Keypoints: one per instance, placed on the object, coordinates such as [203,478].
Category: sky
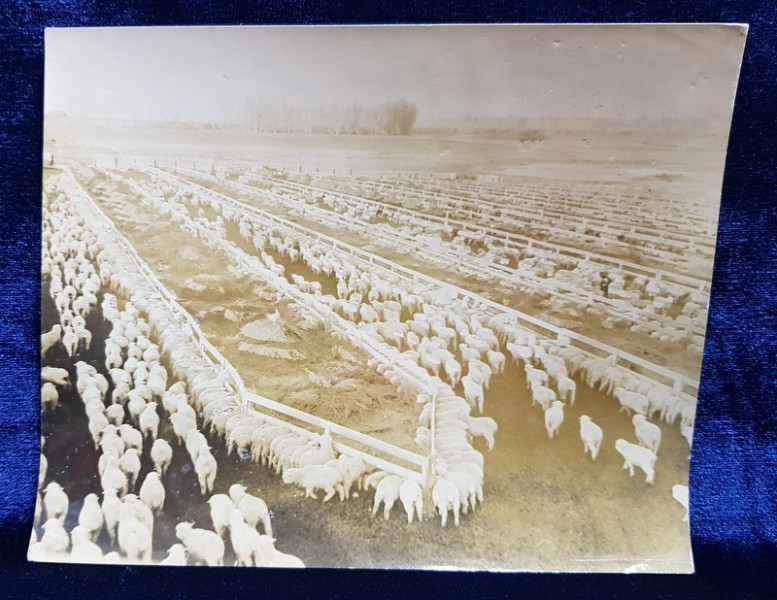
[214,74]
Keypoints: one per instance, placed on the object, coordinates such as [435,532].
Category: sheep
[648,434]
[141,511]
[176,556]
[115,415]
[91,518]
[244,539]
[567,389]
[473,392]
[182,425]
[534,375]
[554,417]
[373,479]
[196,443]
[50,339]
[131,437]
[206,466]
[129,463]
[445,497]
[114,478]
[482,426]
[314,477]
[84,550]
[633,454]
[387,492]
[591,434]
[135,540]
[111,506]
[56,502]
[149,421]
[253,509]
[680,493]
[220,507]
[49,397]
[351,470]
[152,492]
[55,539]
[631,401]
[55,375]
[542,395]
[161,455]
[201,545]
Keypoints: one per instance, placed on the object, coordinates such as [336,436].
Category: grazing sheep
[680,493]
[313,477]
[554,417]
[220,507]
[201,545]
[445,497]
[591,434]
[387,492]
[648,434]
[91,518]
[206,466]
[176,556]
[253,509]
[351,470]
[152,492]
[412,498]
[161,455]
[633,455]
[56,502]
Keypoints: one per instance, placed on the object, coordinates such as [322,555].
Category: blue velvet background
[734,465]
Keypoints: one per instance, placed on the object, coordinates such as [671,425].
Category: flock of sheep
[444,347]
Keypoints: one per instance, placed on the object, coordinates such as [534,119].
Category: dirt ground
[547,505]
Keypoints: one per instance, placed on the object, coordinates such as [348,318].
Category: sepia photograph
[408,297]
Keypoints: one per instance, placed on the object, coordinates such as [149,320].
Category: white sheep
[591,434]
[542,395]
[412,498]
[161,455]
[387,493]
[131,437]
[111,506]
[244,539]
[129,463]
[567,389]
[473,392]
[50,339]
[631,401]
[206,466]
[55,539]
[680,493]
[152,492]
[56,502]
[534,375]
[115,415]
[182,425]
[49,397]
[554,417]
[55,375]
[482,426]
[196,443]
[202,545]
[84,550]
[648,434]
[253,509]
[135,539]
[445,497]
[633,455]
[91,518]
[313,477]
[149,421]
[220,507]
[176,556]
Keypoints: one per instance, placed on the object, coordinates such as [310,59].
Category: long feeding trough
[388,335]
